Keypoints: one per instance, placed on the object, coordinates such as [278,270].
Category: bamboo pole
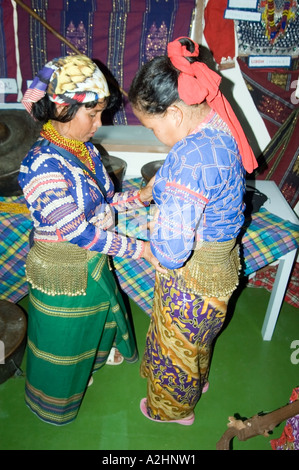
[53,31]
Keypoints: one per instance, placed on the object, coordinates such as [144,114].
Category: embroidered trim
[183,188]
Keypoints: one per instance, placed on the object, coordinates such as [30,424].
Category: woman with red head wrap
[198,194]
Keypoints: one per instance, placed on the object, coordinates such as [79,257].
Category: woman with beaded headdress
[76,314]
[198,193]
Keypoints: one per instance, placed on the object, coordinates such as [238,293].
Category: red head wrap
[196,83]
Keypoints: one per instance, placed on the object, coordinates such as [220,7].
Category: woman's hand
[148,255]
[146,192]
[154,217]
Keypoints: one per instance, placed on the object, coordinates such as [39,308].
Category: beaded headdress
[196,83]
[67,80]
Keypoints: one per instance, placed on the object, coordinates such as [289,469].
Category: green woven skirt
[69,338]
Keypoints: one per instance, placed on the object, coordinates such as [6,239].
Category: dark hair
[155,86]
[44,110]
[115,99]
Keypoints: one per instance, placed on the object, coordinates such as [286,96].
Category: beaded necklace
[274,30]
[75,147]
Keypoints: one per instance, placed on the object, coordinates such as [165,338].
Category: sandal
[114,358]
[185,421]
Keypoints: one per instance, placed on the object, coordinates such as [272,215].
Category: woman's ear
[176,113]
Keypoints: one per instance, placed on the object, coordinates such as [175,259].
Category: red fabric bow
[196,83]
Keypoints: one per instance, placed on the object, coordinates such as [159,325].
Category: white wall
[251,121]
[237,93]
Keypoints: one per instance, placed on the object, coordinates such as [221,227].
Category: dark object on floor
[116,168]
[13,328]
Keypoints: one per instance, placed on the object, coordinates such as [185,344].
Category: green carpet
[248,376]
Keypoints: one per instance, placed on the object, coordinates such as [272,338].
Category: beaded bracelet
[145,203]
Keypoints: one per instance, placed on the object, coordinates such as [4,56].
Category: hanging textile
[121,34]
[219,33]
[273,92]
[265,278]
[276,34]
[279,162]
[8,66]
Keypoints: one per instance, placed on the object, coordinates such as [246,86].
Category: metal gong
[18,131]
[115,166]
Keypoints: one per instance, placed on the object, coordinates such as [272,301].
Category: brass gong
[18,132]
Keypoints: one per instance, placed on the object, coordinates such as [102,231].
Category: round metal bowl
[150,169]
[115,166]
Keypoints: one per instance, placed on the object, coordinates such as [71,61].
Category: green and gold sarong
[70,334]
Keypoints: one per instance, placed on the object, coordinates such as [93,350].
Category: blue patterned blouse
[198,192]
[66,204]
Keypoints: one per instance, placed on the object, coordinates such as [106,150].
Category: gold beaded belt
[212,271]
[58,268]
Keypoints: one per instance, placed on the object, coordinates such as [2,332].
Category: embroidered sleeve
[63,203]
[127,200]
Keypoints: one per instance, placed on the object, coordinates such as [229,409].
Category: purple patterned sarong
[178,349]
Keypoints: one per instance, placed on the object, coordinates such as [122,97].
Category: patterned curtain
[273,92]
[120,34]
